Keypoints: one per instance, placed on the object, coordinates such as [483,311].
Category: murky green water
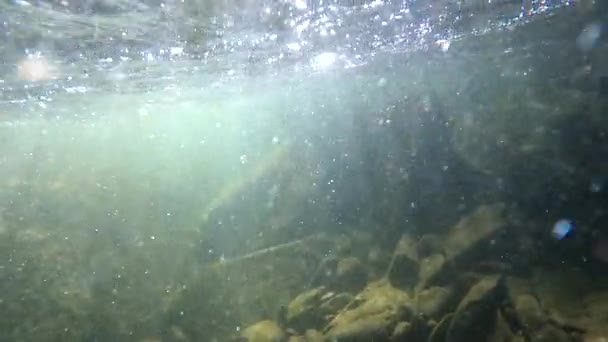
[383,189]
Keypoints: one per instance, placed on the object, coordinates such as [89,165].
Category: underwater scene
[304,170]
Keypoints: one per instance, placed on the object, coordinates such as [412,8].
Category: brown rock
[303,311]
[402,329]
[551,333]
[264,331]
[429,269]
[529,312]
[314,336]
[475,228]
[475,317]
[466,243]
[403,270]
[296,339]
[374,315]
[434,301]
[502,331]
[333,303]
[440,330]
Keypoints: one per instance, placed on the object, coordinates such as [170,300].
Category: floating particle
[562,228]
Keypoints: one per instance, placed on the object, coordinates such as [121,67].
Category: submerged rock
[296,339]
[403,270]
[333,303]
[375,314]
[502,331]
[264,331]
[466,243]
[551,333]
[440,330]
[312,308]
[429,269]
[434,301]
[529,312]
[303,311]
[474,229]
[310,336]
[401,330]
[475,317]
[313,336]
[562,296]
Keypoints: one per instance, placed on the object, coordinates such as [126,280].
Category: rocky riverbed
[472,283]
